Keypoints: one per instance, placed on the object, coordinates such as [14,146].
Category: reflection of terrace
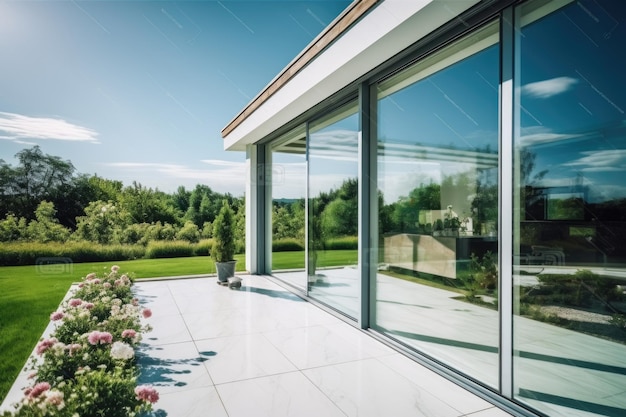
[562,372]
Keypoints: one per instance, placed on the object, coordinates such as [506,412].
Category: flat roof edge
[348,17]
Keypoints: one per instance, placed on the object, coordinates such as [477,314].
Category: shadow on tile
[161,372]
[272,293]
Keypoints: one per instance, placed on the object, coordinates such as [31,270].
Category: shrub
[29,253]
[203,248]
[132,234]
[287,245]
[342,243]
[164,249]
[223,249]
[189,232]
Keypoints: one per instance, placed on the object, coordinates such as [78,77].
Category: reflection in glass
[333,277]
[436,289]
[570,251]
[288,185]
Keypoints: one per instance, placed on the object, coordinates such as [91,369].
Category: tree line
[44,199]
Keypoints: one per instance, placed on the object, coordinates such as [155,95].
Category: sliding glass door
[437,284]
[332,268]
[570,196]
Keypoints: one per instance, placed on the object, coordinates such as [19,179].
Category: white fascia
[385,31]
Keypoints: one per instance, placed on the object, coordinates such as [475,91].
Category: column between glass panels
[368,203]
[507,38]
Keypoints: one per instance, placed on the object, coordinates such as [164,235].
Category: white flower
[121,350]
[54,397]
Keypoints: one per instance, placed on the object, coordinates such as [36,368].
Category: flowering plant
[87,365]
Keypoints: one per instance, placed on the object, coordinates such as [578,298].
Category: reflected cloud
[613,160]
[540,135]
[20,128]
[336,145]
[549,88]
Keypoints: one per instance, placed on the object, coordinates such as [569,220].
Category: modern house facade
[474,152]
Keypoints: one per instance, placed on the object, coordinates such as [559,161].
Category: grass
[30,293]
[295,260]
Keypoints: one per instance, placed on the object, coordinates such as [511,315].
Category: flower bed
[87,366]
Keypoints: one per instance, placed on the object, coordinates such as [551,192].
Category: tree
[223,249]
[101,223]
[181,199]
[12,228]
[202,206]
[145,205]
[340,218]
[38,177]
[83,190]
[406,211]
[46,227]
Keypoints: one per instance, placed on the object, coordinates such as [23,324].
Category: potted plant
[316,243]
[223,250]
[438,227]
[454,225]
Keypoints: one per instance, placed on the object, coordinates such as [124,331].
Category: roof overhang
[379,31]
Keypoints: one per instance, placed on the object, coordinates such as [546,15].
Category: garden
[87,365]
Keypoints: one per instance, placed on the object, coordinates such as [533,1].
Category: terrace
[263,351]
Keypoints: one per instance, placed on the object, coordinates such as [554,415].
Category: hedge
[33,253]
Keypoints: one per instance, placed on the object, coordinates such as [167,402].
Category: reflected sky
[573,104]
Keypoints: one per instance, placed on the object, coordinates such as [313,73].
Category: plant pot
[225,270]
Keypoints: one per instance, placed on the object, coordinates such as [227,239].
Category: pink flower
[73,348]
[97,337]
[75,302]
[106,285]
[147,313]
[129,334]
[55,398]
[90,276]
[147,393]
[39,389]
[88,306]
[96,281]
[115,268]
[44,345]
[57,315]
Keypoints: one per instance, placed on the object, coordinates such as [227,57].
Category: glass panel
[288,185]
[436,288]
[333,276]
[570,191]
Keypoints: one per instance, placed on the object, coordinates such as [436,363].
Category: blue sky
[140,90]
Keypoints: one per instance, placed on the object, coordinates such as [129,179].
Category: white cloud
[549,88]
[223,177]
[218,162]
[19,128]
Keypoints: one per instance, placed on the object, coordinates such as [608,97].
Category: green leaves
[224,234]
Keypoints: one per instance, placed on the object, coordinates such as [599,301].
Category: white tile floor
[262,351]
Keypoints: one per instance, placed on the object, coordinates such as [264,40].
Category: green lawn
[294,260]
[30,293]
